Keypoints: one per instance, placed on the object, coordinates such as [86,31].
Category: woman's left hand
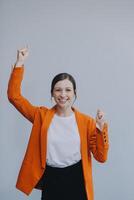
[100,119]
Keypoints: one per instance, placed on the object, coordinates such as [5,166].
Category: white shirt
[63,141]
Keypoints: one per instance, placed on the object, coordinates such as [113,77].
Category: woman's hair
[63,76]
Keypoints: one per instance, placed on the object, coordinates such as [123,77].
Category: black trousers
[64,183]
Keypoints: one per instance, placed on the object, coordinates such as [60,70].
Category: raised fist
[22,54]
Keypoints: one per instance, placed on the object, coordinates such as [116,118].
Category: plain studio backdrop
[94,41]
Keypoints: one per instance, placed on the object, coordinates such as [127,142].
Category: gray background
[92,40]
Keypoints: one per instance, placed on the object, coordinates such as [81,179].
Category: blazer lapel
[44,129]
[81,128]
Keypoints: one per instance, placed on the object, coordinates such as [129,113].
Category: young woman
[58,156]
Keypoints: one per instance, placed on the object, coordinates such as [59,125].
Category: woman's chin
[63,106]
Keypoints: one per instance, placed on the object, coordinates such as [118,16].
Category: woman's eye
[59,90]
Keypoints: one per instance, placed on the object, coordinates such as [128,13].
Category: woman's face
[63,93]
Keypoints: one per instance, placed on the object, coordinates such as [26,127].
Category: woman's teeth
[61,101]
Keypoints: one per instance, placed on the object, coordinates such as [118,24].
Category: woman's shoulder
[44,109]
[41,109]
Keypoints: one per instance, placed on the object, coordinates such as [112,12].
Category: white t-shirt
[63,142]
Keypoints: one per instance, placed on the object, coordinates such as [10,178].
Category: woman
[58,155]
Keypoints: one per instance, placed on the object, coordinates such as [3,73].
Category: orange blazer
[93,142]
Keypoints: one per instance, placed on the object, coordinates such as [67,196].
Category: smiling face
[63,94]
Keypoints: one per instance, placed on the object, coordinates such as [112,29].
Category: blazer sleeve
[15,97]
[98,141]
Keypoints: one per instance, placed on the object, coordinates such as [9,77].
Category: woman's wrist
[18,64]
[100,125]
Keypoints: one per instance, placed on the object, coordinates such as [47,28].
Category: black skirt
[64,183]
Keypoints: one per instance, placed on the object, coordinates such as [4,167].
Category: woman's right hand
[22,54]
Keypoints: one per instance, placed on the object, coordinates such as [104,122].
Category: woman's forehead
[64,83]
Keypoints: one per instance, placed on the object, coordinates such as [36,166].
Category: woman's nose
[63,94]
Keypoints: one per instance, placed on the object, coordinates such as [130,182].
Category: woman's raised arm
[14,87]
[98,137]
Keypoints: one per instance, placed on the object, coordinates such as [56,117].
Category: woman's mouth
[62,101]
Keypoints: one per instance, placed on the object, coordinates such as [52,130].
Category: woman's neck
[64,112]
